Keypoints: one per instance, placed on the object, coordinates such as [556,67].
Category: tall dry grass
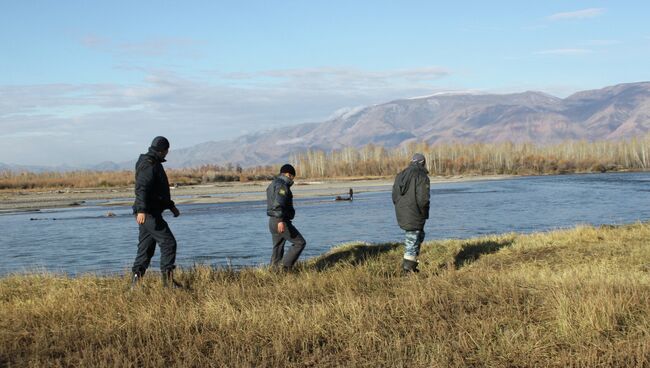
[77,179]
[444,159]
[578,297]
[481,158]
[110,179]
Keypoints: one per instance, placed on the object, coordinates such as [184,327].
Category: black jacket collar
[286,180]
[155,155]
[419,166]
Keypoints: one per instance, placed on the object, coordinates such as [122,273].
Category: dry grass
[376,161]
[481,158]
[111,179]
[77,179]
[578,297]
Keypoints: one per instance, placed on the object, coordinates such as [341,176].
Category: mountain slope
[620,111]
[615,112]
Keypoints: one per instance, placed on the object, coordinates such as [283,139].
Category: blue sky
[91,81]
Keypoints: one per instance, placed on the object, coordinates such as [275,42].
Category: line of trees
[480,158]
[373,160]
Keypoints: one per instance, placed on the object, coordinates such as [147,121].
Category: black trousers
[293,236]
[155,230]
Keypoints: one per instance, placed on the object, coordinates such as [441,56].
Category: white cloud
[153,47]
[432,72]
[92,121]
[344,79]
[29,134]
[578,14]
[567,51]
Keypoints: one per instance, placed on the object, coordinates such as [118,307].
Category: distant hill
[619,111]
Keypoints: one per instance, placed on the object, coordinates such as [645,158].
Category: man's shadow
[355,255]
[471,252]
[361,253]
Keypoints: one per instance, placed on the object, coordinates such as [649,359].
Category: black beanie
[160,144]
[286,168]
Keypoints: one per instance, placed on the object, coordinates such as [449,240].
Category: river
[82,239]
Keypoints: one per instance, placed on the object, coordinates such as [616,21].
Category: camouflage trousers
[412,244]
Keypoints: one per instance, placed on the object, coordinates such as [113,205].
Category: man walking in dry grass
[280,211]
[411,200]
[152,198]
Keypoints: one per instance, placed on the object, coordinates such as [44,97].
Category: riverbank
[33,200]
[578,297]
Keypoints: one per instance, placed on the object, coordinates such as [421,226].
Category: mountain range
[615,112]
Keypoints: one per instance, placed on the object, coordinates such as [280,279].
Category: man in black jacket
[152,198]
[411,200]
[280,211]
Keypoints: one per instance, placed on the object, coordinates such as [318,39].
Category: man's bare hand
[175,211]
[140,218]
[281,227]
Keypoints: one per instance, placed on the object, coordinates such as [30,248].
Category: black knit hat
[286,168]
[160,144]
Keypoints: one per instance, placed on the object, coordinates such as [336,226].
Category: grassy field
[578,297]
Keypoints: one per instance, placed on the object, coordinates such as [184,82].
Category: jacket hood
[405,180]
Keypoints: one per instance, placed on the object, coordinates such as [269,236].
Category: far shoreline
[34,201]
[17,201]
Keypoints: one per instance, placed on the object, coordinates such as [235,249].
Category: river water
[82,239]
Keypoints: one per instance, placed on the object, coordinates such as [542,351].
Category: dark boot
[409,266]
[169,282]
[135,280]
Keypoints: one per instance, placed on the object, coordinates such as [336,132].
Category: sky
[84,82]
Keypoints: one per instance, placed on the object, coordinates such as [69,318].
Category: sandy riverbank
[214,193]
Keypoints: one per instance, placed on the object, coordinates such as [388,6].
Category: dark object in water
[339,198]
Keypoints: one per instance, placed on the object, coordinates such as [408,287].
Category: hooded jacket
[411,197]
[279,199]
[151,185]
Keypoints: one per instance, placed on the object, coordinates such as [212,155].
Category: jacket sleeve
[422,194]
[144,179]
[168,203]
[166,199]
[396,190]
[281,200]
